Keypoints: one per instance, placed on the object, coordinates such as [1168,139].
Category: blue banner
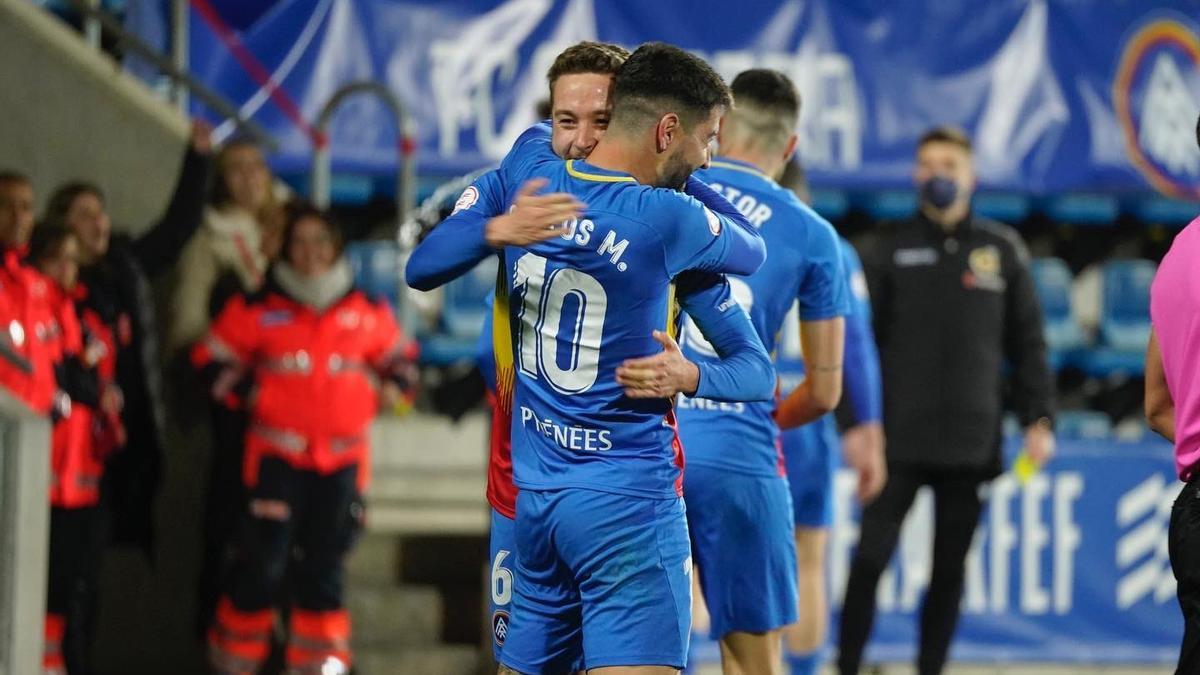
[1058,95]
[1069,566]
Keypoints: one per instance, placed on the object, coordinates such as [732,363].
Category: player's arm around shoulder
[458,243]
[703,231]
[745,371]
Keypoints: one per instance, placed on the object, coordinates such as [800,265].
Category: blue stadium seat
[463,313]
[1083,209]
[831,204]
[1124,320]
[1005,207]
[1052,280]
[1125,317]
[463,305]
[891,204]
[1082,425]
[376,268]
[1163,211]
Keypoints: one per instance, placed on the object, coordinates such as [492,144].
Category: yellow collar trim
[739,167]
[599,178]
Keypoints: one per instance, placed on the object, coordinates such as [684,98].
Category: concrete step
[385,615]
[452,486]
[439,660]
[421,440]
[405,517]
[375,560]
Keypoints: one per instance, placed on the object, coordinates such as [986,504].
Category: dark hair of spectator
[64,198]
[301,210]
[219,194]
[946,134]
[768,90]
[11,176]
[47,241]
[586,57]
[659,78]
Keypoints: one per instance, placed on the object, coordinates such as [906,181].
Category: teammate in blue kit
[739,507]
[604,561]
[486,218]
[811,455]
[579,79]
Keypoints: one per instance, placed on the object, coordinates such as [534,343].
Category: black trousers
[224,504]
[307,547]
[1184,545]
[956,513]
[76,541]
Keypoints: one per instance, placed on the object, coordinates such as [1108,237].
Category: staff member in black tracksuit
[953,302]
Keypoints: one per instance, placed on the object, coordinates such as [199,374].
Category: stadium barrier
[24,538]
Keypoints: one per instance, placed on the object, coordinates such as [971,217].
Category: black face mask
[939,192]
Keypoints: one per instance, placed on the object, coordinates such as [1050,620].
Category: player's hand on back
[660,376]
[533,218]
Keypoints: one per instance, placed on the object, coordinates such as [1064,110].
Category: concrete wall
[69,112]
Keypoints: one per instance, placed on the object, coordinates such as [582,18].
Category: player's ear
[793,141]
[666,131]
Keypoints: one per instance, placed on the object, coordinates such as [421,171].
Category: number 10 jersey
[584,302]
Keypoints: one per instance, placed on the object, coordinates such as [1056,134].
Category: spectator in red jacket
[323,358]
[82,435]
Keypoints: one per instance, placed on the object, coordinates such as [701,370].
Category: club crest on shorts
[500,626]
[467,199]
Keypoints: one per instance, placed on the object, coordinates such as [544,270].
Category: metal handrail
[406,193]
[166,66]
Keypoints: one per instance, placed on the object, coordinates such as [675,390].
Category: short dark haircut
[767,89]
[47,240]
[298,210]
[586,57]
[946,134]
[64,197]
[658,78]
[767,110]
[13,176]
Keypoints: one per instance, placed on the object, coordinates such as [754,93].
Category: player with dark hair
[604,554]
[580,79]
[812,452]
[443,255]
[739,507]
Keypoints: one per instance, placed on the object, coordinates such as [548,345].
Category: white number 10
[540,315]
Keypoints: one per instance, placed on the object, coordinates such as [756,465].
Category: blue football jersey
[804,268]
[584,302]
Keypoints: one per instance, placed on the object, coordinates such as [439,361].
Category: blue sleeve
[457,244]
[485,350]
[823,293]
[702,231]
[744,371]
[531,149]
[861,373]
